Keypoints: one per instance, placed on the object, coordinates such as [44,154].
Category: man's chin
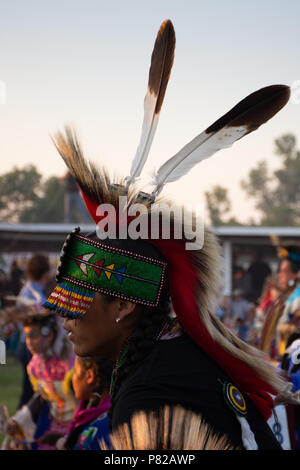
[83,352]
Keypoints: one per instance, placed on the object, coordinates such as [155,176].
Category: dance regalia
[267,341]
[141,270]
[292,305]
[88,427]
[52,406]
[291,311]
[178,372]
[281,310]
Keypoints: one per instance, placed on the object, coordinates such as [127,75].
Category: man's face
[96,331]
[285,275]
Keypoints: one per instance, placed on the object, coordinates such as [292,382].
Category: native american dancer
[91,381]
[45,417]
[146,300]
[267,341]
[273,305]
[290,320]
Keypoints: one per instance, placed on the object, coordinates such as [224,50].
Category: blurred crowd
[244,311]
[256,293]
[64,400]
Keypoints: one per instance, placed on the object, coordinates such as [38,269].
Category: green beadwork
[97,267]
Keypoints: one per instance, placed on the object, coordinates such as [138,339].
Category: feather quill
[245,117]
[159,73]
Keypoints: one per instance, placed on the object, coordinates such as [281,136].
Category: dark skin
[98,333]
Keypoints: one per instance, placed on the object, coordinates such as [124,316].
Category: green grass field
[10,385]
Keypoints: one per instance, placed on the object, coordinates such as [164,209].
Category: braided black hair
[151,323]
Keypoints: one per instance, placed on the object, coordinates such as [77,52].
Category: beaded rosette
[89,266]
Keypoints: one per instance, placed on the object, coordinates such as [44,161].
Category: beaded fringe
[70,300]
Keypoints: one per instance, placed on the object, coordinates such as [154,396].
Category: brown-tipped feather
[255,109]
[161,62]
[245,117]
[159,73]
[186,431]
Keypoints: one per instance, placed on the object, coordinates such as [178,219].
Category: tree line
[276,194]
[25,196]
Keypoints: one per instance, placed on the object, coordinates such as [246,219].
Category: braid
[140,344]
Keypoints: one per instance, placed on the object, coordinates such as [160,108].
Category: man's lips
[69,331]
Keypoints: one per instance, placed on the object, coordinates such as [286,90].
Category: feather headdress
[193,276]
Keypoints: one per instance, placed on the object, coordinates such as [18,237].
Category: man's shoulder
[175,360]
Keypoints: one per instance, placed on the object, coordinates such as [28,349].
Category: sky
[87,62]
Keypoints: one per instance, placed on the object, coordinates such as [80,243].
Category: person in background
[270,294]
[272,341]
[37,273]
[290,367]
[16,275]
[224,306]
[240,314]
[91,382]
[289,279]
[241,280]
[258,271]
[45,417]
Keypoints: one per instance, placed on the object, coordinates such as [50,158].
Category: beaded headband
[88,266]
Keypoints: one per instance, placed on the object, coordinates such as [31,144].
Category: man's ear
[125,308]
[90,376]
